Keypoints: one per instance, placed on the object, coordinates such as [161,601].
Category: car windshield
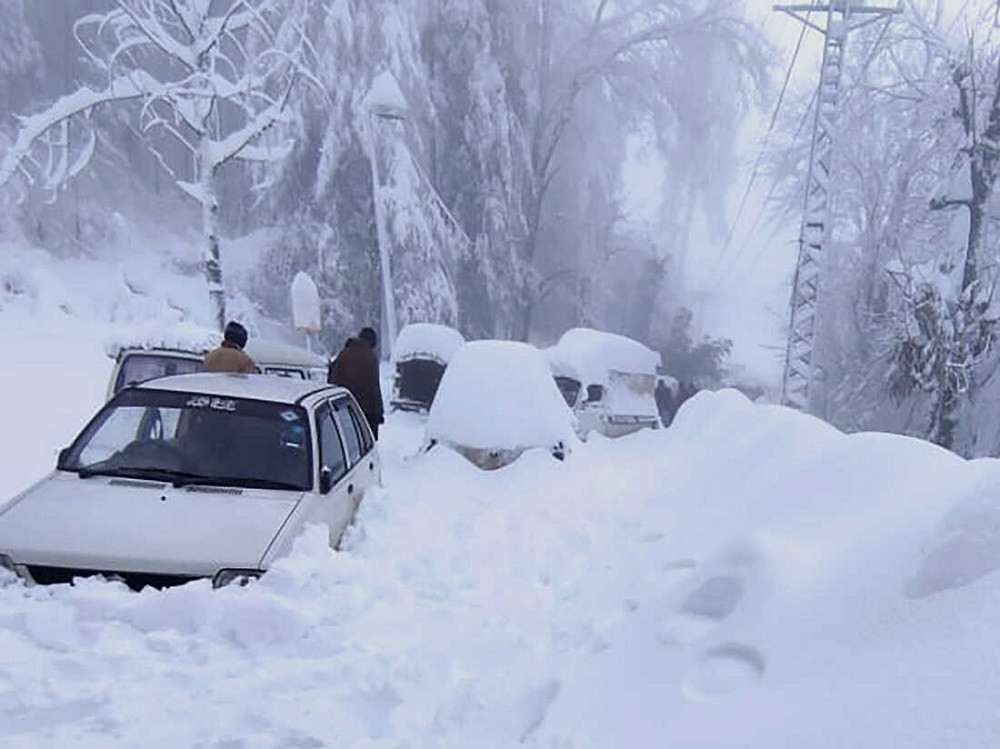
[569,388]
[190,438]
[138,368]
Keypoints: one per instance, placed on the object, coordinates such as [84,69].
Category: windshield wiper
[182,478]
[177,478]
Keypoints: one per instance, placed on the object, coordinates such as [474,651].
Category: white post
[385,100]
[388,298]
[306,313]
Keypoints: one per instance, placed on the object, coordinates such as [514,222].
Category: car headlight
[234,577]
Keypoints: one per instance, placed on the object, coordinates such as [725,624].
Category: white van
[142,359]
[608,380]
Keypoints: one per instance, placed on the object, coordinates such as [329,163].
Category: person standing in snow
[230,356]
[356,368]
[665,402]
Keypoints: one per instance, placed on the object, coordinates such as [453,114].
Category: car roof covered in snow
[184,337]
[427,340]
[499,395]
[590,355]
[249,386]
[196,339]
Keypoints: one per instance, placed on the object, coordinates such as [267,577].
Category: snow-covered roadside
[54,375]
[747,578]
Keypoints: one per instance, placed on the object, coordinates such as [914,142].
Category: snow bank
[812,590]
[748,578]
[427,339]
[589,355]
[499,395]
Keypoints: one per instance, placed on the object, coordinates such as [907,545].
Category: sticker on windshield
[207,401]
[289,416]
[293,437]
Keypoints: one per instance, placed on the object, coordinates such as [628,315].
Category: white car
[194,476]
[137,364]
[497,399]
[608,380]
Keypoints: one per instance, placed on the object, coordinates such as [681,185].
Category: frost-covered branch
[214,76]
[136,85]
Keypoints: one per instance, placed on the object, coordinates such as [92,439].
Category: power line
[758,255]
[763,148]
[721,274]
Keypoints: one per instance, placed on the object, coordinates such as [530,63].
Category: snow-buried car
[607,379]
[421,355]
[496,400]
[193,476]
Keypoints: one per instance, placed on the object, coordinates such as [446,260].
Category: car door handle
[350,488]
[371,466]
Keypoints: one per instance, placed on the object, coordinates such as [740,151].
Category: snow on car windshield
[196,439]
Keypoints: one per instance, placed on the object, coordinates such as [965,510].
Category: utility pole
[835,20]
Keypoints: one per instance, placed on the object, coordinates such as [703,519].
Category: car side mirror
[325,480]
[595,393]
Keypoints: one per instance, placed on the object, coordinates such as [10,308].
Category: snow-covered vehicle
[141,358]
[608,380]
[194,476]
[496,400]
[421,354]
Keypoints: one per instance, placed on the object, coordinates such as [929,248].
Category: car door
[361,460]
[372,468]
[336,507]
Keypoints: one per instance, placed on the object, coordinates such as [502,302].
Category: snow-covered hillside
[748,578]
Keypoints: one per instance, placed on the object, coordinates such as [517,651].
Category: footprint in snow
[723,671]
[704,608]
[678,565]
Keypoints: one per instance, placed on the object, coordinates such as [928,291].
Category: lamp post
[385,101]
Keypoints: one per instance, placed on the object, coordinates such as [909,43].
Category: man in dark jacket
[356,368]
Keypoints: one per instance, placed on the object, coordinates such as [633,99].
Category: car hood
[123,525]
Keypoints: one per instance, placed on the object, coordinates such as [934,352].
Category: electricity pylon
[836,19]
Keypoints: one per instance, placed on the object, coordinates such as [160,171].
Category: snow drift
[748,578]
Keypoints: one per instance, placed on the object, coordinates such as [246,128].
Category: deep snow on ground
[747,578]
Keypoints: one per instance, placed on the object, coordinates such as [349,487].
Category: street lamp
[385,101]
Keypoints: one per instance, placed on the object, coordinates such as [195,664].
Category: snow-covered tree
[907,321]
[207,82]
[620,64]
